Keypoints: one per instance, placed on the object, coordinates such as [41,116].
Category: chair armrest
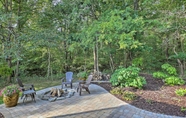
[82,82]
[63,79]
[28,86]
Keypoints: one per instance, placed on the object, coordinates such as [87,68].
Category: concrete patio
[98,104]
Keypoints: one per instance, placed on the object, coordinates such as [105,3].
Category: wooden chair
[27,89]
[67,80]
[85,85]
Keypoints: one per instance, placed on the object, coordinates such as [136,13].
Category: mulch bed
[156,97]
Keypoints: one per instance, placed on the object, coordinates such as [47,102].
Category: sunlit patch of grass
[38,82]
[1,99]
[48,83]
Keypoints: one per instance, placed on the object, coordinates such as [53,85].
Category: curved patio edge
[100,103]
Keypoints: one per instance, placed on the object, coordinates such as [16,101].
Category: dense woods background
[49,37]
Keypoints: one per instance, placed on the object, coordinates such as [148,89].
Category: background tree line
[48,37]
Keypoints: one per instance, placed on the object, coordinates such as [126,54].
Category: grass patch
[1,99]
[39,83]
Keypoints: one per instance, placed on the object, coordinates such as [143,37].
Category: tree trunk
[111,63]
[9,61]
[180,63]
[17,69]
[96,63]
[8,7]
[19,30]
[94,53]
[51,73]
[125,58]
[66,56]
[65,45]
[136,4]
[48,70]
[85,63]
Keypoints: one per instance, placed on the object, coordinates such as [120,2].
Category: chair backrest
[19,82]
[89,79]
[69,76]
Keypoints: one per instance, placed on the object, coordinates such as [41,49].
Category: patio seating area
[98,104]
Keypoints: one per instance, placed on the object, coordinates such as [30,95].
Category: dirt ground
[156,97]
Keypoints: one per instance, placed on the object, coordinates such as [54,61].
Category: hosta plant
[169,75]
[127,77]
[174,81]
[116,90]
[129,96]
[180,92]
[167,70]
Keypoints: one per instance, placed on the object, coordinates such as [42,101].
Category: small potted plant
[10,95]
[82,75]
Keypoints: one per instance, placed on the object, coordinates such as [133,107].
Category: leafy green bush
[160,75]
[82,75]
[174,81]
[127,95]
[169,75]
[183,109]
[5,71]
[169,69]
[180,92]
[116,91]
[127,77]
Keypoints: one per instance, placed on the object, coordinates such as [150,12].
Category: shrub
[183,109]
[160,75]
[127,77]
[169,75]
[116,91]
[169,69]
[127,95]
[5,71]
[180,92]
[174,81]
[82,75]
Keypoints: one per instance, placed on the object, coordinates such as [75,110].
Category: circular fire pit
[57,94]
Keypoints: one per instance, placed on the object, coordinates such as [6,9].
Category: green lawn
[1,99]
[38,82]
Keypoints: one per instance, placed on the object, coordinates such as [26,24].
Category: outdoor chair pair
[28,90]
[81,85]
